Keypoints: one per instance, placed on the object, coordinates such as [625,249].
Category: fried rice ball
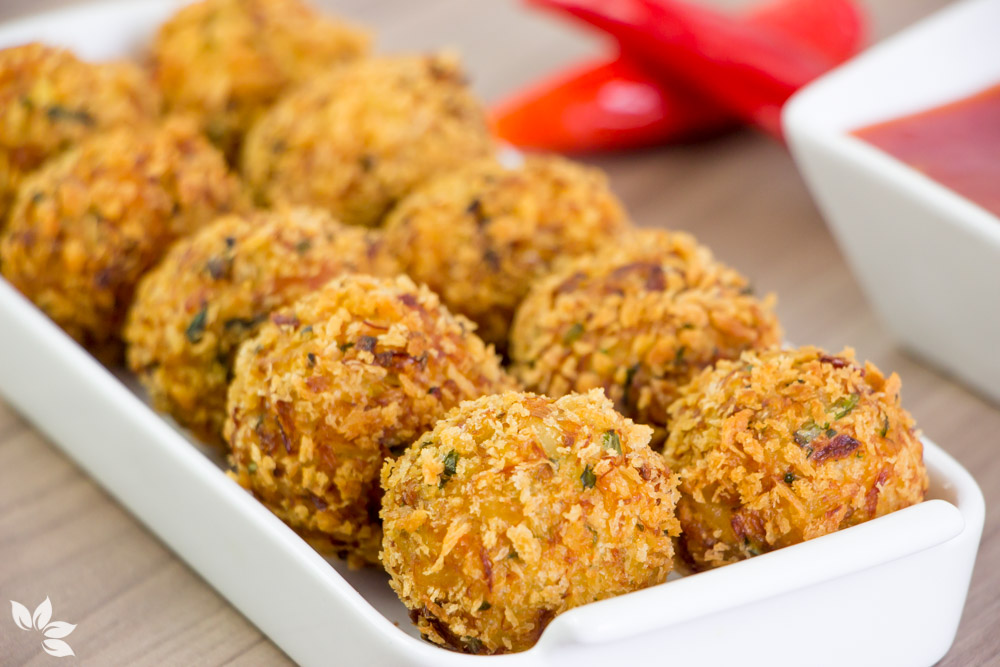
[360,137]
[91,222]
[517,507]
[215,288]
[480,235]
[333,385]
[228,60]
[783,446]
[50,100]
[638,320]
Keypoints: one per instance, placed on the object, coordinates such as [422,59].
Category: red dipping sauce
[958,145]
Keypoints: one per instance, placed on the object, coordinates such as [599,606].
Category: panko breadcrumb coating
[50,100]
[787,445]
[362,136]
[638,320]
[480,235]
[90,223]
[518,507]
[228,60]
[213,290]
[333,385]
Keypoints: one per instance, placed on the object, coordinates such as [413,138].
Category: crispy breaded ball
[638,320]
[480,235]
[90,223]
[360,137]
[213,290]
[783,446]
[228,60]
[333,385]
[517,507]
[50,100]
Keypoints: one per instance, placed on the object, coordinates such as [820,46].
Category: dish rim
[599,622]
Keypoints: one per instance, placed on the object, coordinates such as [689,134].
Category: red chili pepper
[749,70]
[605,105]
[618,104]
[835,28]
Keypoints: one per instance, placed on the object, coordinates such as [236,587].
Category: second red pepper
[618,103]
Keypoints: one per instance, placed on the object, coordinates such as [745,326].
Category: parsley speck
[844,405]
[196,329]
[472,644]
[627,386]
[573,334]
[807,433]
[58,113]
[450,466]
[612,441]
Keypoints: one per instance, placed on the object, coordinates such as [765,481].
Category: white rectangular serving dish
[927,258]
[872,584]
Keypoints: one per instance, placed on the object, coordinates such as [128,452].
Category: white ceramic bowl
[928,259]
[887,592]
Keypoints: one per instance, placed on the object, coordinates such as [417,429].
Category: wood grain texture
[137,603]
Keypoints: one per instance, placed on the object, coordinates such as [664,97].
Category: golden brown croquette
[226,61]
[518,507]
[638,320]
[480,235]
[359,138]
[783,446]
[50,101]
[213,290]
[90,223]
[333,385]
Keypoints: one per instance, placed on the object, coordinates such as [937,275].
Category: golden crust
[90,223]
[518,507]
[213,290]
[357,139]
[639,321]
[787,445]
[228,60]
[331,385]
[480,235]
[50,100]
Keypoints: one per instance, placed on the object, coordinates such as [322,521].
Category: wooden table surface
[135,602]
